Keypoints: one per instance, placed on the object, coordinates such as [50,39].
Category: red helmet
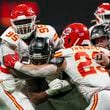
[23,19]
[75,34]
[102,13]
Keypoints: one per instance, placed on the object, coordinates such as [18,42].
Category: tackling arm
[56,86]
[39,70]
[12,61]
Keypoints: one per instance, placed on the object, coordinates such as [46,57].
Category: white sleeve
[51,34]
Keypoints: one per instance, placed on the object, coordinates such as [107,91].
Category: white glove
[66,86]
[57,86]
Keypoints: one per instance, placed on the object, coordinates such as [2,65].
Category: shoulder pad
[10,36]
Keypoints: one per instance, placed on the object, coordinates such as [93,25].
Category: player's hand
[57,86]
[11,59]
[102,59]
[66,86]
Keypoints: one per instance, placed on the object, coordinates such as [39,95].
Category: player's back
[83,69]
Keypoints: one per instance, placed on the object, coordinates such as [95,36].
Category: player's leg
[100,101]
[23,101]
[6,100]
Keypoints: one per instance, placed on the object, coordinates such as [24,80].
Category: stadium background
[57,13]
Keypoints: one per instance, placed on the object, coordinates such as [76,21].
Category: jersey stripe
[55,36]
[95,102]
[58,54]
[14,100]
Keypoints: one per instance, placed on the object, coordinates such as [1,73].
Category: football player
[102,16]
[102,13]
[87,74]
[100,36]
[91,79]
[23,26]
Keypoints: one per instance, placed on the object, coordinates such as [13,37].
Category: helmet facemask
[24,27]
[101,41]
[99,36]
[102,13]
[39,59]
[103,17]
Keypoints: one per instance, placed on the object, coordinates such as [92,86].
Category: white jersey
[41,30]
[83,69]
[10,39]
[13,98]
[48,31]
[17,100]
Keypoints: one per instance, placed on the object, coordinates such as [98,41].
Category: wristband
[18,65]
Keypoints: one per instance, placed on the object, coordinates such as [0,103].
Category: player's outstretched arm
[12,61]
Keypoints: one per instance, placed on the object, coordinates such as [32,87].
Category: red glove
[11,59]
